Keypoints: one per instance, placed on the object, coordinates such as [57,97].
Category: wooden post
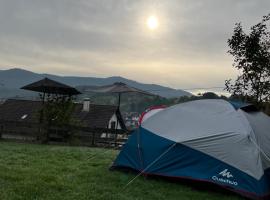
[39,133]
[115,138]
[107,141]
[93,138]
[106,134]
[1,130]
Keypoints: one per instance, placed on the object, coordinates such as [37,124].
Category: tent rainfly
[205,140]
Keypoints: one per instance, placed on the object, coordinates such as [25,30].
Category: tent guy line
[150,165]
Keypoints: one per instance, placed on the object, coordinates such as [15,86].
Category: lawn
[31,171]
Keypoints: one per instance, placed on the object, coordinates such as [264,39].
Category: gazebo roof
[51,87]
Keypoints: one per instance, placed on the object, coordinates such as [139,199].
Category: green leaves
[251,52]
[57,110]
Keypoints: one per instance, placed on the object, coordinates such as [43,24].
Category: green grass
[29,171]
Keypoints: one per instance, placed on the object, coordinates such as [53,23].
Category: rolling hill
[12,79]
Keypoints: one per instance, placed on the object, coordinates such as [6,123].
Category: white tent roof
[215,128]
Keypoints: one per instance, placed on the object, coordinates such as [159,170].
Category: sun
[152,22]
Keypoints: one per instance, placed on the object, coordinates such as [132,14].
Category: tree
[210,95]
[251,52]
[57,112]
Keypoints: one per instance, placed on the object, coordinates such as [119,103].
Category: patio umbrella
[48,86]
[118,88]
[51,87]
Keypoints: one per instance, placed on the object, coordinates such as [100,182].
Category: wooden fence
[74,135]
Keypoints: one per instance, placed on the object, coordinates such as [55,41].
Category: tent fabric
[239,104]
[214,142]
[244,106]
[150,112]
[260,124]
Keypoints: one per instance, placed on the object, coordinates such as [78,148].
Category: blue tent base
[200,185]
[144,147]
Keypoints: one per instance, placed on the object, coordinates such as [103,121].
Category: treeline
[147,102]
[133,102]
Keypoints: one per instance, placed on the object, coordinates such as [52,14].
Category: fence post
[39,133]
[93,138]
[107,141]
[1,131]
[115,138]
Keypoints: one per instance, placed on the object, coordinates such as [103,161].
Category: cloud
[109,37]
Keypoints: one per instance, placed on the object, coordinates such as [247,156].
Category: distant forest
[139,103]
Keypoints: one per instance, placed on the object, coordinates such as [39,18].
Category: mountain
[12,79]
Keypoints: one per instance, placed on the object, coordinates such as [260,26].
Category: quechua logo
[225,176]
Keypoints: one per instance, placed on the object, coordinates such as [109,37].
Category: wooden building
[19,119]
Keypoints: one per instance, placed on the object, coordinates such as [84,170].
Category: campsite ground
[30,171]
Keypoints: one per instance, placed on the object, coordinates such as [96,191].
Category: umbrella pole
[118,108]
[41,118]
[116,127]
[42,110]
[119,100]
[43,98]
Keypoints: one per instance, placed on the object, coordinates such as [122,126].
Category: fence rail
[75,135]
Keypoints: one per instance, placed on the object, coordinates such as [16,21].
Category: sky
[102,38]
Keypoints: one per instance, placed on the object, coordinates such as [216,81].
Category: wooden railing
[76,135]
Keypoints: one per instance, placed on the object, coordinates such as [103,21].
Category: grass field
[29,171]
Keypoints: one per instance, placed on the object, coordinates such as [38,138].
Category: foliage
[209,95]
[151,101]
[49,172]
[57,111]
[133,102]
[251,52]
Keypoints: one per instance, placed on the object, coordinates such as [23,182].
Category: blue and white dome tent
[205,140]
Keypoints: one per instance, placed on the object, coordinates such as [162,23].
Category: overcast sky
[110,38]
